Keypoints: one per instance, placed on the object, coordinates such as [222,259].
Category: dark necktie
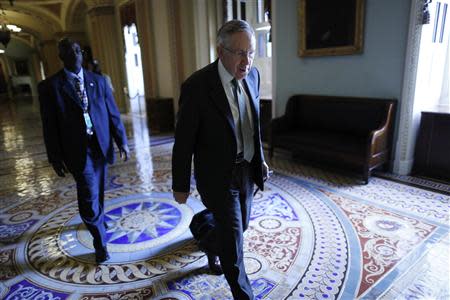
[85,105]
[246,132]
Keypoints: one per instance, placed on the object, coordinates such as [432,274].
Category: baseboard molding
[403,167]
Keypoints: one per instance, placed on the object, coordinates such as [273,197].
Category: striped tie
[84,104]
[246,133]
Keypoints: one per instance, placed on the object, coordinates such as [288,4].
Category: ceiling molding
[54,8]
[72,11]
[31,15]
[27,39]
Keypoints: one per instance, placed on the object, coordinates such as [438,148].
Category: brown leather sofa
[345,132]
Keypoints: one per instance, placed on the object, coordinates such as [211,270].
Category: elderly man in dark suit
[80,121]
[218,124]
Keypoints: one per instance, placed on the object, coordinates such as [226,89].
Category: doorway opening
[432,82]
[135,76]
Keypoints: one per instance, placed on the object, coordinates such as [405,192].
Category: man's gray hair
[231,27]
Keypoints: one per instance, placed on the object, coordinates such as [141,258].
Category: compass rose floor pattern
[313,234]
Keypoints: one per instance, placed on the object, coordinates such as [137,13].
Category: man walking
[80,120]
[218,125]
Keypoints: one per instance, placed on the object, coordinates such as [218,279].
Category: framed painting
[329,27]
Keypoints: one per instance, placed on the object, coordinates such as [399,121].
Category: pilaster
[409,116]
[147,43]
[104,41]
[52,63]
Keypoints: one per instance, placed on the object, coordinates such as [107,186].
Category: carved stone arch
[25,38]
[43,27]
[75,16]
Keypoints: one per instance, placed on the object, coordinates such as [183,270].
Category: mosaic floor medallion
[311,235]
[147,236]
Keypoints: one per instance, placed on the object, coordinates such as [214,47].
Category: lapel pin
[91,84]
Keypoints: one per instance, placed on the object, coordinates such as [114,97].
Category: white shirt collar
[224,75]
[72,75]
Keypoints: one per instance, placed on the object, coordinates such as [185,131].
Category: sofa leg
[366,176]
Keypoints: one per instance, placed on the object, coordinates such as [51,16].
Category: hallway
[313,234]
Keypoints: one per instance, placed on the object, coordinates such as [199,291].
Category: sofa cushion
[336,131]
[331,141]
[337,114]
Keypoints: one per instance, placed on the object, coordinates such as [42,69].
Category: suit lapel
[69,89]
[219,97]
[89,86]
[253,102]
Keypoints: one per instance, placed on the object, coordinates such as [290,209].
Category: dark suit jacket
[63,123]
[205,129]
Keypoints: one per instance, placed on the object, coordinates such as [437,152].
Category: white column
[409,116]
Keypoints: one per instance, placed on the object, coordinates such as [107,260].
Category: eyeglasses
[77,50]
[241,53]
[80,51]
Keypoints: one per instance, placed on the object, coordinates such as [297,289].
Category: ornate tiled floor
[313,234]
[434,185]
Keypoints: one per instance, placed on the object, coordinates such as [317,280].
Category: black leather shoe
[214,265]
[101,256]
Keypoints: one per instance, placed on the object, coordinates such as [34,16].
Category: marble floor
[313,234]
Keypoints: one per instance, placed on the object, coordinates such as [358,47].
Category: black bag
[203,229]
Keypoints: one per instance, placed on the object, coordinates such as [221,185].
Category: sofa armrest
[379,138]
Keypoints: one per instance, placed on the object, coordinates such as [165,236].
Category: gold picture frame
[331,27]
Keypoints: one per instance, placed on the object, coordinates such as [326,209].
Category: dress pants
[90,191]
[231,213]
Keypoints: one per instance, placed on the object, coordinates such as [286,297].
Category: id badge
[87,120]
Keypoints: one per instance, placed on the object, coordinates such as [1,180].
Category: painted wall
[187,38]
[162,53]
[377,72]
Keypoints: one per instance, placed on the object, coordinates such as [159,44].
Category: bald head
[71,55]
